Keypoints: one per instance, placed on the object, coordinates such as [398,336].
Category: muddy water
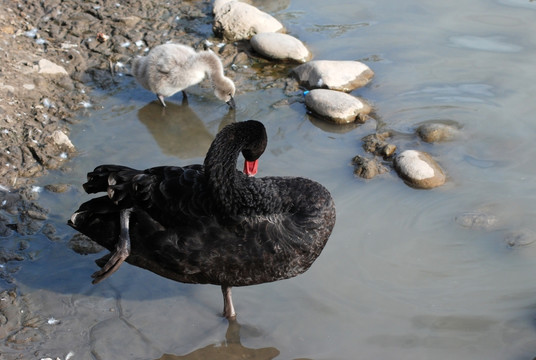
[402,276]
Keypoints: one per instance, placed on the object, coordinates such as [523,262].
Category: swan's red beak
[250,167]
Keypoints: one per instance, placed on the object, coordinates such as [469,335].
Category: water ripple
[489,43]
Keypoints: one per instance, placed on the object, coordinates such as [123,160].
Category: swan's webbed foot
[228,308]
[121,252]
[161,99]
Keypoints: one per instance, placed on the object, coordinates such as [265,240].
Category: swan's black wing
[248,249]
[171,195]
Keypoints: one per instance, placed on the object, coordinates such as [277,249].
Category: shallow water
[400,277]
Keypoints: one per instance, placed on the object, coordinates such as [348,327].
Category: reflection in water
[177,129]
[332,127]
[336,30]
[271,6]
[231,349]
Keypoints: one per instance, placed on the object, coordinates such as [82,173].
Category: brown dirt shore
[90,41]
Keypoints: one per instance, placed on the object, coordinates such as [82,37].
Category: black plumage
[208,223]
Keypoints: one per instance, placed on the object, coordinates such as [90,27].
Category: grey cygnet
[170,68]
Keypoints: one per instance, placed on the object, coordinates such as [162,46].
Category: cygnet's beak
[231,103]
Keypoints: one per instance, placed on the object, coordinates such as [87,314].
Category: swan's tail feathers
[98,219]
[99,179]
[90,210]
[118,192]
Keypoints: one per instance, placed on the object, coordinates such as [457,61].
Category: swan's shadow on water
[231,348]
[178,130]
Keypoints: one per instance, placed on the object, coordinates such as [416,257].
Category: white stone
[419,169]
[217,4]
[410,163]
[335,75]
[48,67]
[60,139]
[280,47]
[235,20]
[7,87]
[339,107]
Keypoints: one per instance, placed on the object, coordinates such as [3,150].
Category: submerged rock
[236,20]
[367,168]
[521,237]
[376,144]
[280,47]
[335,75]
[477,220]
[337,106]
[419,170]
[83,245]
[58,188]
[432,132]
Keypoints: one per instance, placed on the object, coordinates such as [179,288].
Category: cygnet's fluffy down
[170,68]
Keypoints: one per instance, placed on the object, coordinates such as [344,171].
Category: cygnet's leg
[228,308]
[184,98]
[161,98]
[121,252]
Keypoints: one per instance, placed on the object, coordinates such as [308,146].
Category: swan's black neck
[233,189]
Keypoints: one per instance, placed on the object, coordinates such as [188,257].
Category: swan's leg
[121,252]
[161,98]
[228,308]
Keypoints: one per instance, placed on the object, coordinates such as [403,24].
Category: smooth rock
[48,67]
[433,132]
[418,169]
[335,75]
[280,47]
[337,106]
[235,20]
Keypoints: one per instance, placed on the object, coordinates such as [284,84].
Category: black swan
[210,223]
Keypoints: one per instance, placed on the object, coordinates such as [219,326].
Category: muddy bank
[89,41]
